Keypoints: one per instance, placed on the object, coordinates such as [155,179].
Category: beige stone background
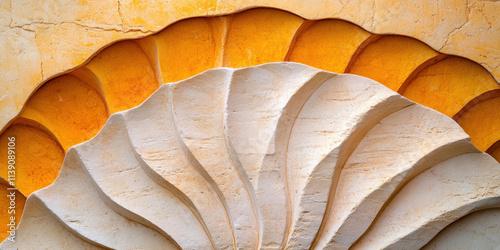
[42,39]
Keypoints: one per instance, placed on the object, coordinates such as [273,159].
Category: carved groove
[279,155]
[125,73]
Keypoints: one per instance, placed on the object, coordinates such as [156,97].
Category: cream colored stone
[16,84]
[260,109]
[434,199]
[393,152]
[157,142]
[326,131]
[42,230]
[64,34]
[279,155]
[127,187]
[478,230]
[88,215]
[5,13]
[199,109]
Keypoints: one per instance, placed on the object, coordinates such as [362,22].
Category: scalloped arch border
[33,28]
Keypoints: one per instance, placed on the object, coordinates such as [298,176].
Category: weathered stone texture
[280,155]
[46,38]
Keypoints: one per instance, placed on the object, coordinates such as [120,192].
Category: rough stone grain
[275,156]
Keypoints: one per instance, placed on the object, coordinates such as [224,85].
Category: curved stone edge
[433,200]
[30,30]
[396,146]
[118,119]
[478,230]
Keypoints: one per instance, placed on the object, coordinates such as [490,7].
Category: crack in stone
[342,8]
[41,59]
[120,12]
[455,30]
[481,12]
[87,27]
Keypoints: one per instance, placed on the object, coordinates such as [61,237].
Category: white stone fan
[279,155]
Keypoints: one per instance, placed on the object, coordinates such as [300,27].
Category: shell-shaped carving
[71,108]
[280,155]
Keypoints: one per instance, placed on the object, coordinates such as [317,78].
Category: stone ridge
[71,108]
[279,155]
[51,37]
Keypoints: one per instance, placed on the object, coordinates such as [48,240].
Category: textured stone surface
[434,199]
[405,56]
[392,153]
[50,37]
[478,122]
[448,85]
[71,108]
[478,230]
[38,158]
[275,156]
